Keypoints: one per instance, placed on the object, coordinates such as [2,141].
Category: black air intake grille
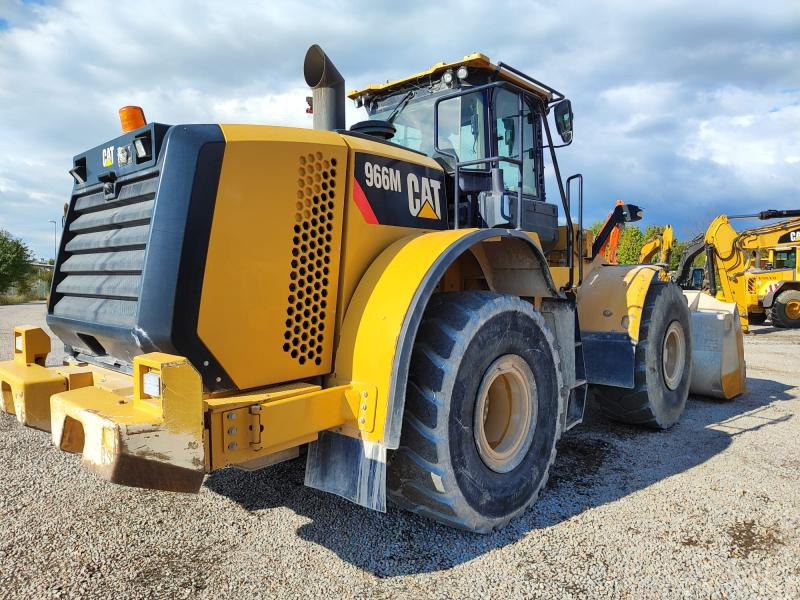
[100,273]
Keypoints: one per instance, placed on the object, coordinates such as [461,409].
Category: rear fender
[378,333]
[382,319]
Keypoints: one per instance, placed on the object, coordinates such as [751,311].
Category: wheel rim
[673,356]
[793,310]
[505,413]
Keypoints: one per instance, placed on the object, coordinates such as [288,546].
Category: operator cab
[485,124]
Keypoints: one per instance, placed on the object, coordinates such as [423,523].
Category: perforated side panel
[311,258]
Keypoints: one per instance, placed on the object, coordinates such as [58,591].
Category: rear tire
[785,310]
[485,354]
[662,371]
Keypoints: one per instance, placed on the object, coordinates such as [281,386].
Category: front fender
[381,322]
[610,303]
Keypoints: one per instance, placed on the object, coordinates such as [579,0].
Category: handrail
[579,177]
[558,95]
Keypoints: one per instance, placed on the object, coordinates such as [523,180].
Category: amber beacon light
[131,117]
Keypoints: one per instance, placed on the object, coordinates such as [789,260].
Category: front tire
[662,371]
[785,310]
[482,412]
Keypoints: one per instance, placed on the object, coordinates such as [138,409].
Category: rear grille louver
[99,276]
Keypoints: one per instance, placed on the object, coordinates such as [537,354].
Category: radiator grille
[99,276]
[311,256]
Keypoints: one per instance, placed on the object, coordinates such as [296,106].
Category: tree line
[632,239]
[17,274]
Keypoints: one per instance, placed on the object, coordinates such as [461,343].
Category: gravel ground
[707,510]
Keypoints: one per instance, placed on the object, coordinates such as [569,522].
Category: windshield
[461,125]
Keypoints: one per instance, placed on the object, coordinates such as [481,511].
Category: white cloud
[684,111]
[760,146]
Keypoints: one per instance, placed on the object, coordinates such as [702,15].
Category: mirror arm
[569,143]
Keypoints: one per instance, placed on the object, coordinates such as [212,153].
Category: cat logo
[423,198]
[108,156]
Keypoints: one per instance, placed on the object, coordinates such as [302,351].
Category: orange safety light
[131,117]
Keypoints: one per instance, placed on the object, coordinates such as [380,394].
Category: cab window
[785,259]
[506,124]
[462,126]
[413,125]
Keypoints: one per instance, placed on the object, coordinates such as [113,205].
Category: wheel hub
[505,413]
[793,309]
[673,355]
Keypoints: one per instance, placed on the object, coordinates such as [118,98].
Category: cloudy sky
[687,109]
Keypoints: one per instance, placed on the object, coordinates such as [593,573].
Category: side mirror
[563,115]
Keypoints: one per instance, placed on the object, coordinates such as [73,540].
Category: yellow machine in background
[399,298]
[661,244]
[757,268]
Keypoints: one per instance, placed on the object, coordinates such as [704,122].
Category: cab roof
[473,61]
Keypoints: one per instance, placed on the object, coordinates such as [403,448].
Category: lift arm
[622,213]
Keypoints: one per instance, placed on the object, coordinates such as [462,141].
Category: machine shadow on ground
[763,330]
[598,462]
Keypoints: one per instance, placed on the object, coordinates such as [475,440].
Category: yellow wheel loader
[400,298]
[756,269]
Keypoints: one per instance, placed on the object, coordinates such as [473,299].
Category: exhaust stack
[327,89]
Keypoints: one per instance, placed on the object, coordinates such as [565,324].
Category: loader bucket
[718,366]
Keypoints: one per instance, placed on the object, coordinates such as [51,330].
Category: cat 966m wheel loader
[399,297]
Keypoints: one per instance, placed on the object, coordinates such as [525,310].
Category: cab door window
[461,127]
[506,125]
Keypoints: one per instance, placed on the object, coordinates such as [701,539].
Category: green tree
[631,241]
[652,232]
[630,245]
[675,257]
[15,259]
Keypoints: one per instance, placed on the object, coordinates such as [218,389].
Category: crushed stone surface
[709,509]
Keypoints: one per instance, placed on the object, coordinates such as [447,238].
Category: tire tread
[442,329]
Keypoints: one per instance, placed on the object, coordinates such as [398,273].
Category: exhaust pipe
[327,89]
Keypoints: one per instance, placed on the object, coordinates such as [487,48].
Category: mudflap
[610,358]
[352,468]
[718,365]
